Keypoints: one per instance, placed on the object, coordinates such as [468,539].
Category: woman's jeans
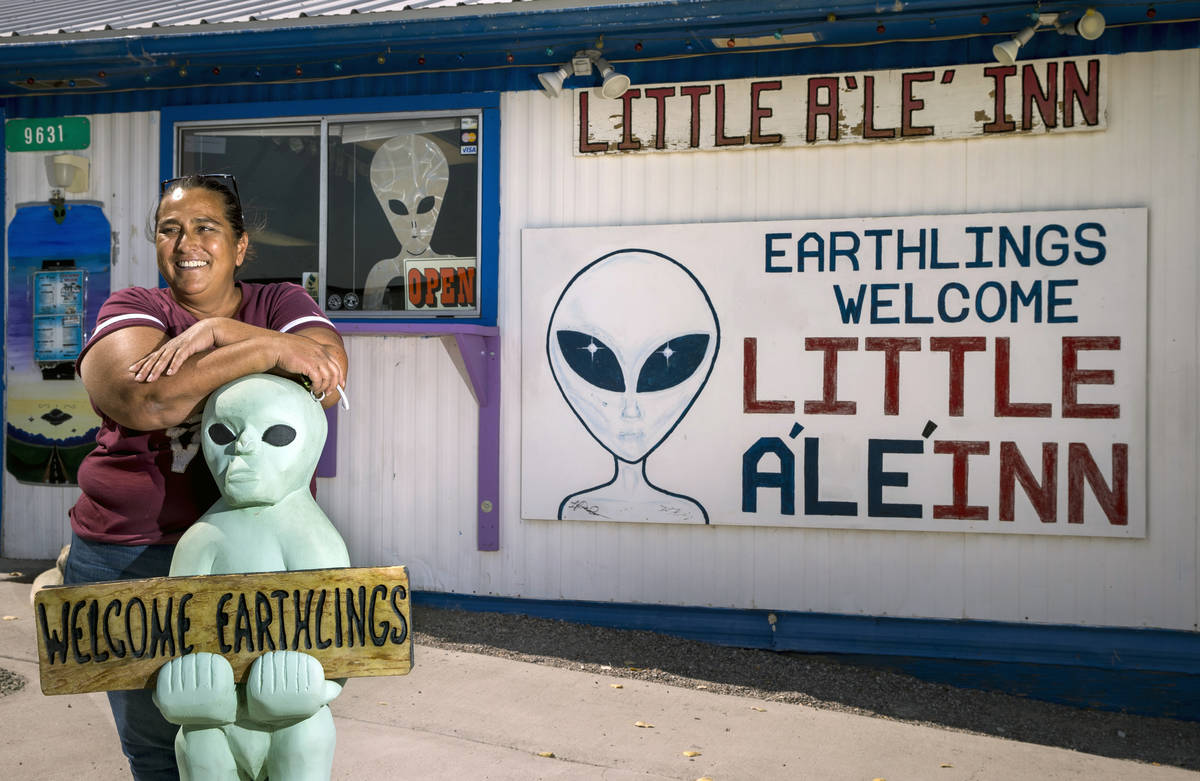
[147,739]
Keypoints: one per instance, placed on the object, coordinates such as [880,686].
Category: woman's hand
[170,356]
[322,363]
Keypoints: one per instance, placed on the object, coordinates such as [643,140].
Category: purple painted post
[327,465]
[481,358]
[479,346]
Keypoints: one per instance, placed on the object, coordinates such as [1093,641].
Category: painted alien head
[409,174]
[631,343]
[262,438]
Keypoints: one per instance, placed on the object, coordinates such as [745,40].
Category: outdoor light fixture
[1089,26]
[552,81]
[1006,53]
[65,172]
[612,86]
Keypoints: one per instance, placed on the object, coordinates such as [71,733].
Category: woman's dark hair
[222,184]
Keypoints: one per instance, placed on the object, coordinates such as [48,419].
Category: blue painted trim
[1152,672]
[1107,648]
[480,80]
[489,219]
[3,297]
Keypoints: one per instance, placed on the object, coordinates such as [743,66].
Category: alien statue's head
[631,343]
[262,438]
[410,174]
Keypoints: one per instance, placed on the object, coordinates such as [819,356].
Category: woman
[154,357]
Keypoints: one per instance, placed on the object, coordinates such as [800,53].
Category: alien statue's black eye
[592,360]
[425,204]
[220,433]
[279,435]
[397,207]
[672,363]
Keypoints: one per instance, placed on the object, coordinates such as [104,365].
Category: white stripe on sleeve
[122,318]
[299,321]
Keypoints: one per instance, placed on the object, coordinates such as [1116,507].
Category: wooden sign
[116,635]
[961,101]
[979,373]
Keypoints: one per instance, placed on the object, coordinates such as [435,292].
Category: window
[376,215]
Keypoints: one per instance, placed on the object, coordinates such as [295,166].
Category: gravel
[806,679]
[10,682]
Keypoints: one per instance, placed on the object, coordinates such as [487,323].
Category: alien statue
[262,437]
[631,343]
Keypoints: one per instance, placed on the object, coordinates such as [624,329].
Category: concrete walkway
[464,716]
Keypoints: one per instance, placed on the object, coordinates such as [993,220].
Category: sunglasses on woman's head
[226,181]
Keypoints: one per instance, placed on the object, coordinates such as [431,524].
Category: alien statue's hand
[196,689]
[287,685]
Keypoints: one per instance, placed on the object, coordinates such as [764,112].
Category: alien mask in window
[409,175]
[631,343]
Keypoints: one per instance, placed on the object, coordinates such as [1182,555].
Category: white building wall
[405,490]
[1149,156]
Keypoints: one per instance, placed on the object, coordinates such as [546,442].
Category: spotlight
[614,84]
[552,81]
[1006,53]
[1090,26]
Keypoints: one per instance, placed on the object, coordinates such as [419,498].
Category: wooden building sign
[981,373]
[116,635]
[967,101]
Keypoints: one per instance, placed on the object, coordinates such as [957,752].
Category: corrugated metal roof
[453,46]
[48,17]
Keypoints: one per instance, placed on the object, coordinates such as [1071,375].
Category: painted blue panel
[1147,671]
[476,79]
[3,293]
[1146,693]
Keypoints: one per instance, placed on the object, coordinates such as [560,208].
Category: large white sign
[976,372]
[963,101]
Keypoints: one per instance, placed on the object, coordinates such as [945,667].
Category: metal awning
[64,46]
